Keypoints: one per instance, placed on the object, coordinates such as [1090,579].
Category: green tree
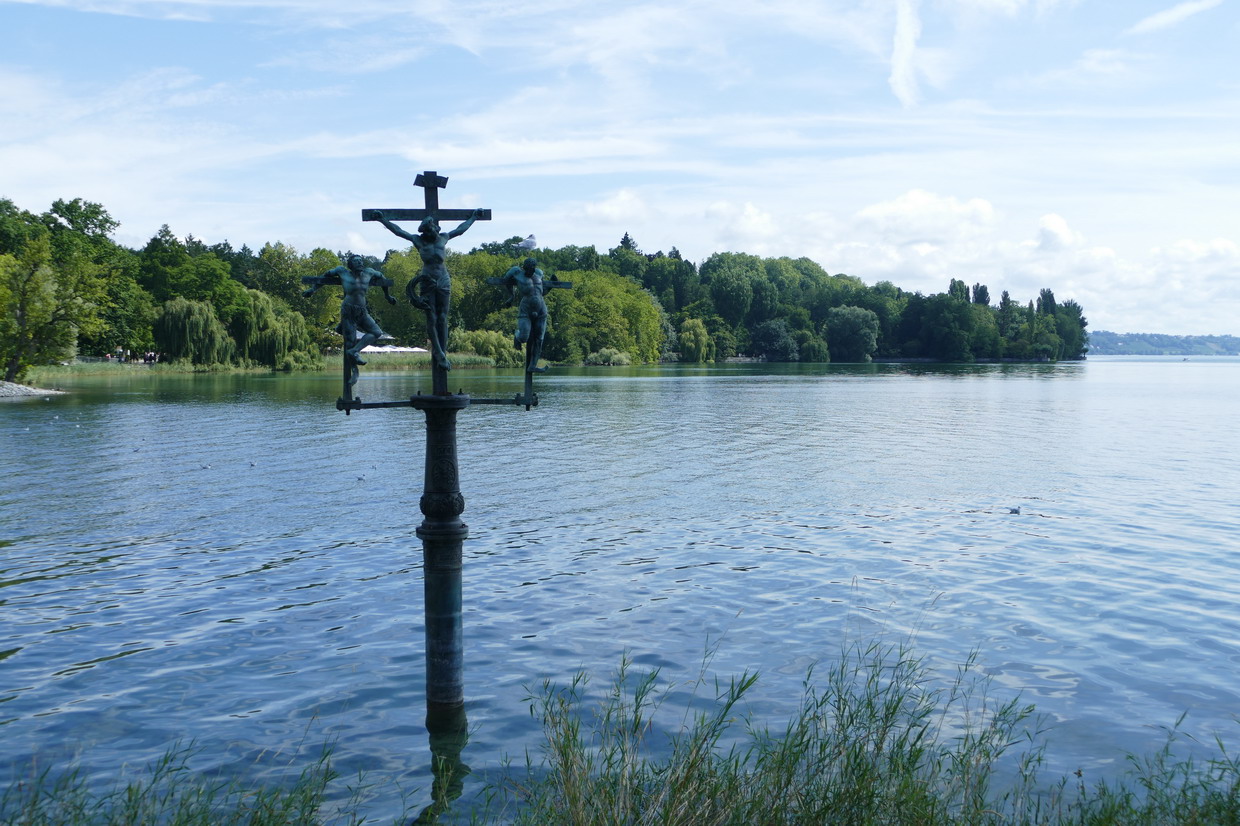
[774,341]
[168,270]
[603,310]
[277,271]
[765,302]
[266,332]
[1008,317]
[1046,302]
[946,327]
[1045,344]
[1070,324]
[851,334]
[984,340]
[190,331]
[628,262]
[784,276]
[569,259]
[45,305]
[813,349]
[17,228]
[958,290]
[125,318]
[490,343]
[695,343]
[887,301]
[731,285]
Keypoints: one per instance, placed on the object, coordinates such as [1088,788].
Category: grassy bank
[415,361]
[47,375]
[875,740]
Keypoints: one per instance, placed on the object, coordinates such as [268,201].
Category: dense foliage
[66,288]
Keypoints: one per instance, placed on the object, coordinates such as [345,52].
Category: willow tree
[696,346]
[189,331]
[269,333]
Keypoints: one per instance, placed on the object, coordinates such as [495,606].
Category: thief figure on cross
[527,282]
[356,324]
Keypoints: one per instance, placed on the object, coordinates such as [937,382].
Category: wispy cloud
[903,78]
[1171,17]
[884,138]
[1093,67]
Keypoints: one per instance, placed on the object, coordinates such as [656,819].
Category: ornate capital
[442,506]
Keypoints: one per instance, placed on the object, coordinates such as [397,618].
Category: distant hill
[1106,343]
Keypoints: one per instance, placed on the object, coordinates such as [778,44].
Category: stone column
[442,533]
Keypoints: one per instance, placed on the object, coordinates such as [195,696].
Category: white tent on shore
[391,348]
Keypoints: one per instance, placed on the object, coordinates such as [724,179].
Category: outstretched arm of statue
[316,281]
[469,222]
[395,230]
[509,282]
[378,279]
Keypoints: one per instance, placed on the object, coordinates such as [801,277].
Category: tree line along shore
[66,288]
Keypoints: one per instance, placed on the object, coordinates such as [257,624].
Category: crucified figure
[356,324]
[526,282]
[432,244]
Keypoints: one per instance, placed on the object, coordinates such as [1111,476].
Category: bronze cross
[431,183]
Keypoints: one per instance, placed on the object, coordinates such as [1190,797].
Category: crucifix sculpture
[442,532]
[431,244]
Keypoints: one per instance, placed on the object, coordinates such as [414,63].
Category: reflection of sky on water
[239,567]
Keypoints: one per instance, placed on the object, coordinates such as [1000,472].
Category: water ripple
[223,559]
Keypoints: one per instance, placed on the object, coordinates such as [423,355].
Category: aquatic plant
[874,741]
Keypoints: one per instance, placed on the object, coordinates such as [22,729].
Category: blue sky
[1090,147]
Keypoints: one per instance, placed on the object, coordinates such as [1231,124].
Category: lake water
[228,560]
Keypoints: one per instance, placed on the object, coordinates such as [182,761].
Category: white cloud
[1054,234]
[1094,67]
[903,78]
[742,228]
[1172,16]
[624,206]
[920,216]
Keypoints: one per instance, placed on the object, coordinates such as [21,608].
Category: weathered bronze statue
[432,244]
[356,324]
[526,282]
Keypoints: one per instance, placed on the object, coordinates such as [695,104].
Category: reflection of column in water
[448,734]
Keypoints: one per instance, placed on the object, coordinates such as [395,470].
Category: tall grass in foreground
[170,793]
[873,742]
